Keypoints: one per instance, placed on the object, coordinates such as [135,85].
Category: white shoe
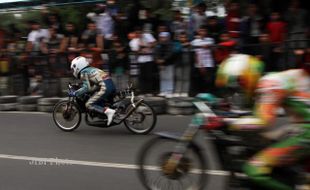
[110,113]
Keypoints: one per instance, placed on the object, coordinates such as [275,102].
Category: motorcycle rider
[92,79]
[288,89]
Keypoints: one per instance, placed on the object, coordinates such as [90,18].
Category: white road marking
[59,161]
[25,112]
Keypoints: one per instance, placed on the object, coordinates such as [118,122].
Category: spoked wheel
[142,120]
[156,174]
[67,115]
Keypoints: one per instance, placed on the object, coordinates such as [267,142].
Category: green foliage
[74,14]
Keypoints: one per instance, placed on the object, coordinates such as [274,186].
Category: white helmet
[77,64]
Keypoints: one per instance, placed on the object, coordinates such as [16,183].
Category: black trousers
[148,78]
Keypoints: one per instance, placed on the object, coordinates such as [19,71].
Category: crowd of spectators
[178,57]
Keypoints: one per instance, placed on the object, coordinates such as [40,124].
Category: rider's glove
[71,93]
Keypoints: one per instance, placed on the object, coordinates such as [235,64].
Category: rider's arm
[271,95]
[85,86]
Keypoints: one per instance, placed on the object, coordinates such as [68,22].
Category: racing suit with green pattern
[290,90]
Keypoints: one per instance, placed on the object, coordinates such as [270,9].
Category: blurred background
[165,47]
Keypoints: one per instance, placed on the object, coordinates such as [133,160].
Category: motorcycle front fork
[180,149]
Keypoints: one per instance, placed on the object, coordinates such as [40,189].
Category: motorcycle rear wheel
[142,120]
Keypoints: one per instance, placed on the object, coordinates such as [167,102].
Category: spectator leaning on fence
[204,71]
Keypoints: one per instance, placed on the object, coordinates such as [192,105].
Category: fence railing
[48,74]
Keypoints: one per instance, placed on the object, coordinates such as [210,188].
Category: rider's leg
[106,89]
[284,153]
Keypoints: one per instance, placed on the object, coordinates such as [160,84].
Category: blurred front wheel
[67,115]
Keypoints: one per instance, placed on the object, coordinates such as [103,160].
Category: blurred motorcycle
[169,161]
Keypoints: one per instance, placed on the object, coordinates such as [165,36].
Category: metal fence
[49,74]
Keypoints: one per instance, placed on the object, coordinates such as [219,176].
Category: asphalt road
[36,155]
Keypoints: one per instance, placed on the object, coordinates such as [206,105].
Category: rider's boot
[110,113]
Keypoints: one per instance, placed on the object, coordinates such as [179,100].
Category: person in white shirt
[143,45]
[204,62]
[33,47]
[35,36]
[103,20]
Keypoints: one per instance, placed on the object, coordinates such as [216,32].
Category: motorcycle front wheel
[67,115]
[142,120]
[188,174]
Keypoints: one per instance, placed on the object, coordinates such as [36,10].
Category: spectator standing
[121,27]
[147,21]
[183,60]
[103,21]
[214,28]
[277,33]
[252,25]
[51,47]
[198,18]
[204,68]
[225,47]
[69,43]
[264,51]
[162,27]
[298,26]
[112,8]
[51,19]
[35,36]
[33,47]
[93,44]
[233,20]
[164,55]
[276,28]
[119,64]
[143,45]
[178,25]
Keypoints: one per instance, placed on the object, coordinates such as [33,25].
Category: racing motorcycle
[169,161]
[135,113]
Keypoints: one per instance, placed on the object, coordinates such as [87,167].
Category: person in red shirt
[233,20]
[224,48]
[276,28]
